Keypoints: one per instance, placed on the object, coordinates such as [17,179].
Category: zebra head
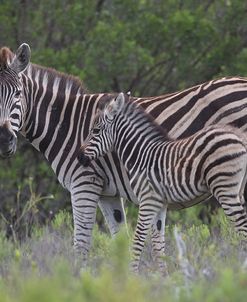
[11,113]
[101,137]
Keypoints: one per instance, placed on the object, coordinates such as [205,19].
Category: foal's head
[102,135]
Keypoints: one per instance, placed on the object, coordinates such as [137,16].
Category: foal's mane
[132,105]
[130,102]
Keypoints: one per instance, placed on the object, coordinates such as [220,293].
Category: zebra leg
[113,210]
[235,210]
[158,239]
[147,212]
[85,197]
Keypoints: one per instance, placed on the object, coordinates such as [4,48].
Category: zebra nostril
[7,136]
[8,153]
[8,140]
[11,138]
[5,141]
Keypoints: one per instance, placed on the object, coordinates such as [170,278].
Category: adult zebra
[52,111]
[163,171]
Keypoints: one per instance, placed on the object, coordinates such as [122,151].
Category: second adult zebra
[163,171]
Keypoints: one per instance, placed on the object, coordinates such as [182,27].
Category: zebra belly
[179,205]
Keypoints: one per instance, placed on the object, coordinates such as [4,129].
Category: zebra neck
[46,93]
[58,115]
[137,136]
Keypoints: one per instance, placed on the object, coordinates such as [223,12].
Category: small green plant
[23,216]
[6,247]
[199,233]
[44,267]
[62,221]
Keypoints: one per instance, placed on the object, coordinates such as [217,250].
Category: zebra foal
[163,171]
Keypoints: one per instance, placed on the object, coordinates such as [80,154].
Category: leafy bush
[45,267]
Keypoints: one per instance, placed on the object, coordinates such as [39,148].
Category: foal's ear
[115,106]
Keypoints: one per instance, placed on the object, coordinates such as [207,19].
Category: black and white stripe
[56,114]
[11,107]
[163,171]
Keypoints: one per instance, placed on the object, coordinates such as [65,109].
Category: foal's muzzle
[83,159]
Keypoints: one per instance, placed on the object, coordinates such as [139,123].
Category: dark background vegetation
[148,47]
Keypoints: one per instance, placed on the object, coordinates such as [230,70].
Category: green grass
[44,267]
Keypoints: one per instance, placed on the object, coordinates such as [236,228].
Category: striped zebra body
[163,171]
[55,115]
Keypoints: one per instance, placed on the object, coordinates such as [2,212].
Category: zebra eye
[18,93]
[95,130]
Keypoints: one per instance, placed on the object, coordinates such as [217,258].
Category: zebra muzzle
[8,141]
[83,159]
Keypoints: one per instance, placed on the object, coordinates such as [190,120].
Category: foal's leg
[148,210]
[158,238]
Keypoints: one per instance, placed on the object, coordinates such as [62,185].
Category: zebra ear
[115,106]
[21,58]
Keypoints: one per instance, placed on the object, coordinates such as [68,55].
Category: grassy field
[205,264]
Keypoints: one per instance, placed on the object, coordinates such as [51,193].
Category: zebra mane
[133,106]
[6,56]
[64,77]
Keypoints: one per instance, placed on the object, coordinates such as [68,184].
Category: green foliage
[148,47]
[6,247]
[28,274]
[62,220]
[23,216]
[122,45]
[29,192]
